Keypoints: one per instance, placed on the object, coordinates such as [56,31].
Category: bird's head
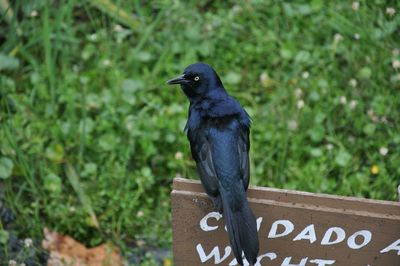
[198,80]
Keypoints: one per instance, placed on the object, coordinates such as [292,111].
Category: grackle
[218,132]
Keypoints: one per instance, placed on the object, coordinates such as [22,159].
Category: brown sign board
[294,228]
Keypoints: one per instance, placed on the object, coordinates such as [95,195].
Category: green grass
[93,132]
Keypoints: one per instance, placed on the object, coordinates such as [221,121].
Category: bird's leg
[218,203]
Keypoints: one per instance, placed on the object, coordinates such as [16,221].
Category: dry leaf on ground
[65,250]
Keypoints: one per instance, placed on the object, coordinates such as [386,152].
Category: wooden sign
[294,228]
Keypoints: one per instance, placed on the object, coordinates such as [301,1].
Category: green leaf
[6,167]
[89,169]
[131,85]
[365,73]
[317,133]
[343,158]
[55,153]
[369,129]
[8,62]
[86,126]
[316,152]
[83,197]
[108,142]
[314,96]
[117,12]
[144,56]
[303,57]
[319,117]
[4,235]
[233,78]
[323,83]
[52,183]
[379,105]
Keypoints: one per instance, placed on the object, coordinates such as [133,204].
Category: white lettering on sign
[351,242]
[259,221]
[394,246]
[204,224]
[308,233]
[340,236]
[288,225]
[287,262]
[321,262]
[214,253]
[270,255]
[281,228]
[234,261]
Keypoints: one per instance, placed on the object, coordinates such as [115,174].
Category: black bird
[218,131]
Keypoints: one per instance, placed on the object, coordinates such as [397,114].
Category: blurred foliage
[82,91]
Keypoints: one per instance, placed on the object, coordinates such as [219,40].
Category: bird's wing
[202,154]
[224,153]
[244,147]
[231,107]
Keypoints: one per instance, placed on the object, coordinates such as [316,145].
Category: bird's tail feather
[242,229]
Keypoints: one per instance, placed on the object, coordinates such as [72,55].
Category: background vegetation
[91,137]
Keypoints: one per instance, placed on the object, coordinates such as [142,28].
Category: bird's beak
[178,80]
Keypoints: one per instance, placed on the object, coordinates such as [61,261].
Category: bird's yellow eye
[196,78]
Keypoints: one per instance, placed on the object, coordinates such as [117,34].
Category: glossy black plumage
[218,132]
